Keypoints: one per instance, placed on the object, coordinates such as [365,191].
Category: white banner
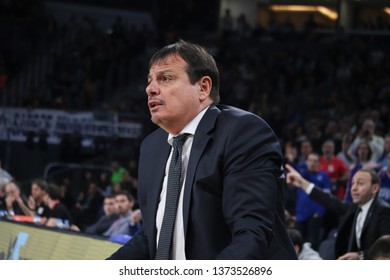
[199,270]
[16,122]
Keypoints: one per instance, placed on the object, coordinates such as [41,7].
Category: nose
[353,187]
[152,89]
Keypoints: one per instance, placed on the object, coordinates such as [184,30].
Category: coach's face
[172,99]
[362,189]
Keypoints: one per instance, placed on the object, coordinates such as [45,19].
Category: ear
[205,83]
[297,250]
[375,188]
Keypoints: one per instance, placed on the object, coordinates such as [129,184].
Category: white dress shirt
[178,246]
[360,220]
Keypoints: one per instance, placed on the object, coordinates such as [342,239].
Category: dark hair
[42,184]
[375,179]
[110,196]
[380,248]
[53,191]
[296,237]
[126,193]
[200,63]
[368,147]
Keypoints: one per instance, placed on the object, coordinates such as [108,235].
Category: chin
[155,120]
[355,201]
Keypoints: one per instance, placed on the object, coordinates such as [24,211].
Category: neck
[53,203]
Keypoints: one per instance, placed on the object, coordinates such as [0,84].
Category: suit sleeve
[135,249]
[328,201]
[252,195]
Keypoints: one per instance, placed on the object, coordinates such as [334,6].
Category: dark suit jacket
[376,224]
[102,224]
[233,205]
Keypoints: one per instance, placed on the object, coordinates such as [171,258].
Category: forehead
[313,157]
[35,186]
[10,187]
[363,146]
[109,200]
[306,144]
[328,144]
[168,63]
[361,175]
[121,198]
[368,123]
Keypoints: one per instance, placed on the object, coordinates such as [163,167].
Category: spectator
[105,221]
[338,174]
[291,153]
[59,215]
[309,213]
[305,149]
[361,222]
[36,201]
[344,155]
[129,220]
[380,250]
[290,219]
[104,183]
[303,249]
[384,174]
[367,134]
[382,161]
[66,196]
[88,210]
[227,23]
[15,201]
[3,206]
[118,172]
[334,167]
[4,174]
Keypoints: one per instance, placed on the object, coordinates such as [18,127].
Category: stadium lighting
[301,8]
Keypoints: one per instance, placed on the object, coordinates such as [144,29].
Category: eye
[166,78]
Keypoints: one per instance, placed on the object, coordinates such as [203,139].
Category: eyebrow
[161,72]
[360,180]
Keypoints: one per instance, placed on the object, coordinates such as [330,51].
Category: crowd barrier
[22,241]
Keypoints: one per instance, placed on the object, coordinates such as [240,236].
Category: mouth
[153,104]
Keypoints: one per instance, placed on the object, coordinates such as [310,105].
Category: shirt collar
[191,127]
[367,205]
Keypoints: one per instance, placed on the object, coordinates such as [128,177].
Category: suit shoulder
[383,204]
[230,113]
[156,135]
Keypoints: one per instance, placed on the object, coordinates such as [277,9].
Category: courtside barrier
[26,241]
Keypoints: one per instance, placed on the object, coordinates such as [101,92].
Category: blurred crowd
[104,205]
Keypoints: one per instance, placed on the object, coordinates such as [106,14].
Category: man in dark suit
[362,222]
[231,204]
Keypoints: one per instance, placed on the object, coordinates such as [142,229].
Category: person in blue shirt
[382,161]
[308,212]
[384,174]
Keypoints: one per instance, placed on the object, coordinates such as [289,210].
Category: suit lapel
[352,232]
[368,217]
[201,138]
[160,154]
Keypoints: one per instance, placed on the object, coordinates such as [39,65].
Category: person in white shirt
[303,249]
